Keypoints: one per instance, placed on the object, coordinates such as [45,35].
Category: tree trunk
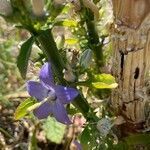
[131,63]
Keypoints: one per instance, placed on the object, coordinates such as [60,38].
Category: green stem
[6,133]
[48,44]
[81,83]
[50,49]
[93,40]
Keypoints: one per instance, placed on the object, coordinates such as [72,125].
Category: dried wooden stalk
[131,62]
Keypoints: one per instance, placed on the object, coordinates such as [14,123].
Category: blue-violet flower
[56,96]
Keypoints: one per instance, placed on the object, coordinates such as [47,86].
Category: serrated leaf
[54,130]
[104,81]
[21,110]
[23,57]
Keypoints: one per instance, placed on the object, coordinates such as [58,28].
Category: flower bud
[38,7]
[5,7]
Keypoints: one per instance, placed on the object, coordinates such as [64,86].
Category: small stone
[3,118]
[11,111]
[5,111]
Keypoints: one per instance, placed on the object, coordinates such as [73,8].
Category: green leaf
[101,85]
[120,146]
[66,9]
[138,139]
[21,110]
[54,9]
[71,41]
[89,137]
[106,78]
[22,60]
[104,81]
[86,58]
[85,136]
[54,130]
[66,23]
[133,141]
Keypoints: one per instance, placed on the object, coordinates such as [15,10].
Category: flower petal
[43,111]
[65,94]
[37,90]
[46,75]
[60,113]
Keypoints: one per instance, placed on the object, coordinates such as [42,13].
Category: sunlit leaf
[106,78]
[66,9]
[21,110]
[71,41]
[67,23]
[101,85]
[104,81]
[54,130]
[22,60]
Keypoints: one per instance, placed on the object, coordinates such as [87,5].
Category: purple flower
[78,145]
[56,96]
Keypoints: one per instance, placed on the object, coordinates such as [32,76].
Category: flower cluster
[57,96]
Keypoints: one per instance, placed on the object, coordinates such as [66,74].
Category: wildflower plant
[54,94]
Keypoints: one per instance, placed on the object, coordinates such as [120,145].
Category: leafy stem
[48,44]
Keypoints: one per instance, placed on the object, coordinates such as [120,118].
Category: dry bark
[131,63]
